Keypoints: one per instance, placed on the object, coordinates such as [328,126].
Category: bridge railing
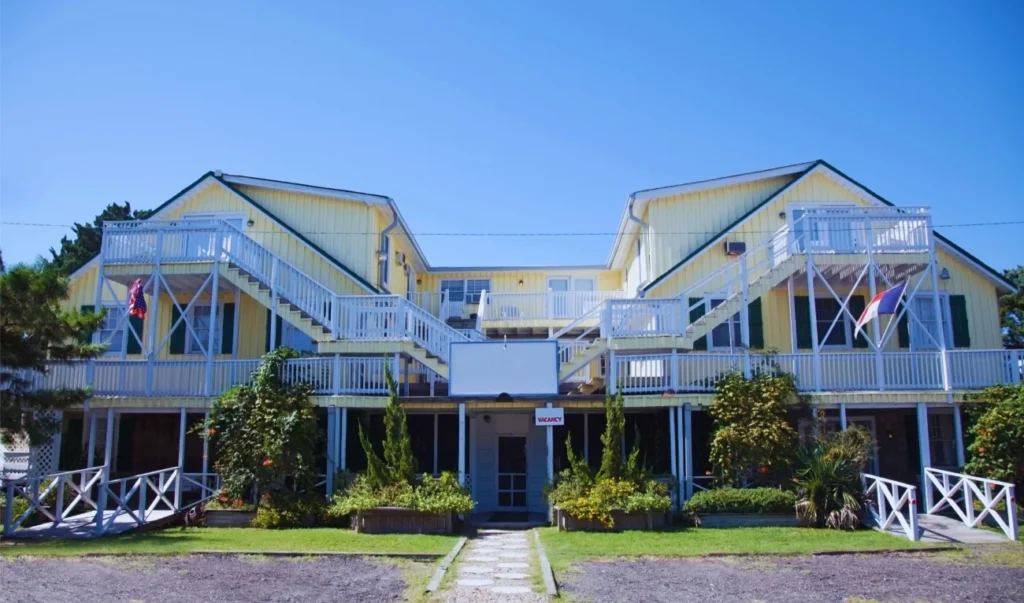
[960,493]
[890,501]
[139,497]
[46,496]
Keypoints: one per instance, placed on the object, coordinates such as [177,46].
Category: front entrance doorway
[512,472]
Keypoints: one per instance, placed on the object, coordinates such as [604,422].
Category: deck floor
[84,526]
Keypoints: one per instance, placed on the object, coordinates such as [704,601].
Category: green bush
[997,435]
[737,500]
[429,494]
[288,510]
[829,489]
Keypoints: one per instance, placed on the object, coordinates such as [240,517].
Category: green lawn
[565,547]
[172,541]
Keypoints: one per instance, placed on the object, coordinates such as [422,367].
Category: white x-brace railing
[37,489]
[150,494]
[959,492]
[891,501]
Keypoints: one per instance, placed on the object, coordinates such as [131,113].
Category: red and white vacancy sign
[550,417]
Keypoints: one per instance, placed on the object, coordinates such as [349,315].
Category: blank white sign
[516,368]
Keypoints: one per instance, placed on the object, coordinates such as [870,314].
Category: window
[942,440]
[465,290]
[728,334]
[385,264]
[201,326]
[924,332]
[111,331]
[826,310]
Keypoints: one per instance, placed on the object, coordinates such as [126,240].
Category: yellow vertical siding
[533,280]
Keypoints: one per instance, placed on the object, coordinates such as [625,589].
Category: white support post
[336,375]
[816,358]
[343,441]
[687,419]
[436,420]
[745,316]
[792,316]
[154,313]
[958,434]
[238,322]
[206,453]
[937,308]
[613,379]
[875,330]
[108,446]
[673,370]
[90,371]
[842,416]
[332,413]
[674,455]
[181,460]
[90,450]
[271,345]
[924,446]
[462,443]
[214,295]
[550,437]
[408,364]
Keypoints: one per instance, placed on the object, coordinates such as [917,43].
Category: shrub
[829,489]
[432,495]
[737,500]
[997,435]
[289,510]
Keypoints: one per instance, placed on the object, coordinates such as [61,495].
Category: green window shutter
[86,338]
[802,310]
[958,316]
[857,308]
[903,330]
[227,340]
[177,345]
[134,347]
[756,323]
[695,313]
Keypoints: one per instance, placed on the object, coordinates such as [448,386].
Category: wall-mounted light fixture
[250,223]
[944,274]
[520,283]
[782,214]
[419,281]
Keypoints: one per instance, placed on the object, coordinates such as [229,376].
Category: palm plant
[829,489]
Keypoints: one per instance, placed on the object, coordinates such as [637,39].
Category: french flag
[885,302]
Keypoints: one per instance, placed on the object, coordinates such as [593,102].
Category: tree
[615,426]
[265,432]
[1011,310]
[997,435]
[753,442]
[398,465]
[73,254]
[35,328]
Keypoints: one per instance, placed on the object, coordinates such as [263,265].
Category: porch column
[108,446]
[331,447]
[673,453]
[925,449]
[462,443]
[958,432]
[744,316]
[271,345]
[90,453]
[550,437]
[214,294]
[153,312]
[342,441]
[816,357]
[687,418]
[842,416]
[181,459]
[436,415]
[875,331]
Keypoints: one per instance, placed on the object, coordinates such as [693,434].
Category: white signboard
[491,368]
[549,417]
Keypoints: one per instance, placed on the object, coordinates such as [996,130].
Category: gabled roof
[822,166]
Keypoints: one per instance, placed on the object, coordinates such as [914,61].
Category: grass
[565,547]
[175,541]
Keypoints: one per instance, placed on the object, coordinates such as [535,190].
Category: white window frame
[385,265]
[846,325]
[441,289]
[824,240]
[218,339]
[103,335]
[918,339]
[467,298]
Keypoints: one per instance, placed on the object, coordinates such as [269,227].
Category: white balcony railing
[852,371]
[543,305]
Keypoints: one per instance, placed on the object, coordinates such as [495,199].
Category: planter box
[622,521]
[739,520]
[227,518]
[399,520]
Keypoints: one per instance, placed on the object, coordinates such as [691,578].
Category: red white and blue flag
[885,302]
[136,300]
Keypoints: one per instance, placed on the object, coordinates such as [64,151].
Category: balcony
[837,372]
[541,308]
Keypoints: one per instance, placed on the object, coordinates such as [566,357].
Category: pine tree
[611,457]
[398,464]
[73,254]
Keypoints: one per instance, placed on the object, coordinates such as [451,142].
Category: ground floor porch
[497,449]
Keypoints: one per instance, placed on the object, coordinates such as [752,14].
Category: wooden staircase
[289,312]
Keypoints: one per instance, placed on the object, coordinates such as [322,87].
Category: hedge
[746,500]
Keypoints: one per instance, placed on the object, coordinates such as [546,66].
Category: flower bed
[229,518]
[621,520]
[735,507]
[400,520]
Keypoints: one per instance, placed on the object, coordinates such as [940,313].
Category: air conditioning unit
[400,258]
[735,248]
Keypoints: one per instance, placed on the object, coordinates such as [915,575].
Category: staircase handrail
[588,315]
[481,310]
[427,330]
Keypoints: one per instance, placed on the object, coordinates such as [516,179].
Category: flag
[136,300]
[885,302]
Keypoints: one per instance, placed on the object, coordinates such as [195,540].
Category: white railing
[568,351]
[643,317]
[429,332]
[890,501]
[207,485]
[542,305]
[140,497]
[973,369]
[853,230]
[959,493]
[39,490]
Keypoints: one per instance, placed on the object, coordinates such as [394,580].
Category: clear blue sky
[509,117]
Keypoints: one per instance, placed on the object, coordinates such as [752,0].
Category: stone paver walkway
[496,565]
